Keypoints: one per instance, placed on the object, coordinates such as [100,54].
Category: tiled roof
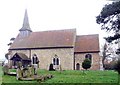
[46,39]
[20,56]
[87,43]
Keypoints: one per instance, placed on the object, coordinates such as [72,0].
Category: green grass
[0,74]
[80,77]
[12,70]
[71,76]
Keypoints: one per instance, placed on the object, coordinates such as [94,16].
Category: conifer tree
[86,64]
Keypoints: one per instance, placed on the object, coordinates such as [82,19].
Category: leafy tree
[9,44]
[109,19]
[86,64]
[108,51]
[104,54]
[12,40]
[6,55]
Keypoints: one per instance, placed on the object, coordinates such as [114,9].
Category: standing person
[35,63]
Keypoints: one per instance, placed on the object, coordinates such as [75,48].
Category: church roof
[46,39]
[87,43]
[54,39]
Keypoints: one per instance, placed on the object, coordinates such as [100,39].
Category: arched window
[53,61]
[56,60]
[35,59]
[89,56]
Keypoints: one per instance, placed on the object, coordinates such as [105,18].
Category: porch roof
[20,56]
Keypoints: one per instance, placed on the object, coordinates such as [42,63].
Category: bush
[117,66]
[111,65]
[51,67]
[86,64]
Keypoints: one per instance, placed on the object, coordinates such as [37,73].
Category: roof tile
[45,39]
[87,43]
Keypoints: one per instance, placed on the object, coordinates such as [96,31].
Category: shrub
[111,65]
[86,64]
[51,67]
[117,66]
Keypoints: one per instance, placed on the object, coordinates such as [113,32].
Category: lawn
[71,76]
[0,74]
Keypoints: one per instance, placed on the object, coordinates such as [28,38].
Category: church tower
[25,30]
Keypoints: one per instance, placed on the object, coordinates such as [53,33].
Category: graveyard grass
[70,76]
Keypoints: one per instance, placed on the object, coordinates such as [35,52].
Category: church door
[77,66]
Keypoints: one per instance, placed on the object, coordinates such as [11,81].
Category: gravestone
[5,69]
[35,68]
[25,72]
[19,74]
[30,71]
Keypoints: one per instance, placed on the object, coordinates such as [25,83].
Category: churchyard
[68,76]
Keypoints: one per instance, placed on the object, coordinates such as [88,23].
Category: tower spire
[25,30]
[26,25]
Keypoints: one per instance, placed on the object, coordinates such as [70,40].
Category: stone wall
[65,55]
[79,58]
[45,56]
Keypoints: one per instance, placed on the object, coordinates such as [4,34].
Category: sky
[48,15]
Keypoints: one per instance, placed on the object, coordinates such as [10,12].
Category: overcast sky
[48,15]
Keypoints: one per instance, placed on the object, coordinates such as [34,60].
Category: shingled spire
[25,30]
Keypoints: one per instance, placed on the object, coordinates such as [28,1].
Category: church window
[56,60]
[53,61]
[89,56]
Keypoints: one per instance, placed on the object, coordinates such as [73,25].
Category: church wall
[79,58]
[65,55]
[45,56]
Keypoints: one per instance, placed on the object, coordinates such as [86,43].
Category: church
[62,48]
